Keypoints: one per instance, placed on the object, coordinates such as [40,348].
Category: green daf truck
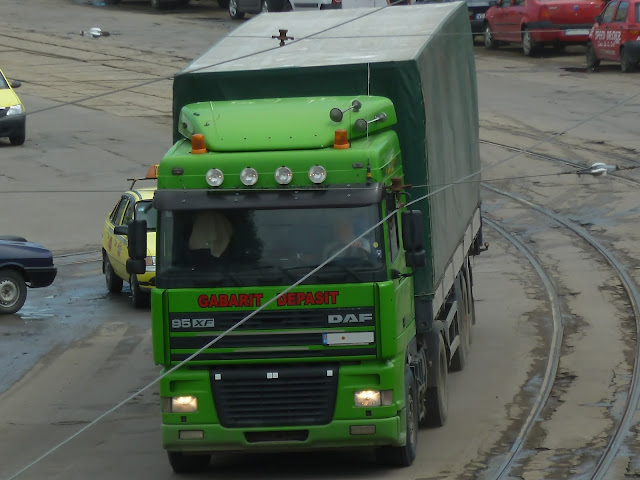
[316,218]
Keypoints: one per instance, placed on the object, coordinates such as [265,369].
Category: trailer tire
[461,357]
[182,463]
[114,282]
[13,291]
[437,399]
[405,455]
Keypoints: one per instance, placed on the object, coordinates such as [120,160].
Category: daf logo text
[350,318]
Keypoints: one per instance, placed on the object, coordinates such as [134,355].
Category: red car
[536,23]
[616,36]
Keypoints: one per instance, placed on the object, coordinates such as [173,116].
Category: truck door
[404,311]
[601,33]
[618,28]
[121,250]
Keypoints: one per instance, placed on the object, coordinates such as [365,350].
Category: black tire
[592,60]
[114,282]
[159,4]
[529,46]
[183,463]
[437,398]
[489,40]
[627,63]
[224,4]
[233,10]
[461,357]
[405,455]
[13,291]
[182,3]
[139,298]
[17,139]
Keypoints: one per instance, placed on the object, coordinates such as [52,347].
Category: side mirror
[598,19]
[16,84]
[413,238]
[137,233]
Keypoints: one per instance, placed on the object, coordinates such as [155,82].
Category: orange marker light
[341,141]
[197,143]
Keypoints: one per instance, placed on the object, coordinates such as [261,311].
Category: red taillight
[334,2]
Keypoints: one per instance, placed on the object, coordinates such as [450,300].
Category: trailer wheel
[437,398]
[182,463]
[405,455]
[13,291]
[114,282]
[460,358]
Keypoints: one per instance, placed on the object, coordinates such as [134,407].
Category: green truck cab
[313,283]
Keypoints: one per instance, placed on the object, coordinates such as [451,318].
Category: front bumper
[13,125]
[335,435]
[40,276]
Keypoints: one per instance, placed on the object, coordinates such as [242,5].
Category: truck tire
[139,298]
[437,399]
[592,60]
[114,282]
[405,455]
[13,291]
[182,463]
[626,62]
[460,358]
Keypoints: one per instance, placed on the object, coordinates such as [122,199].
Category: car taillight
[544,13]
[334,2]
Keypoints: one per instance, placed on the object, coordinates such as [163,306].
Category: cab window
[128,214]
[637,13]
[621,13]
[607,16]
[116,215]
[518,3]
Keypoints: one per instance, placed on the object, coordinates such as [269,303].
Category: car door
[117,244]
[601,36]
[499,24]
[513,20]
[618,29]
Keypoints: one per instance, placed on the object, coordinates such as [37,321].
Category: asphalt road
[74,351]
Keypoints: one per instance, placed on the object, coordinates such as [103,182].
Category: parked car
[477,11]
[238,8]
[22,264]
[136,203]
[12,114]
[616,36]
[536,23]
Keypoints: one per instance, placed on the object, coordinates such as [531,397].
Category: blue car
[22,264]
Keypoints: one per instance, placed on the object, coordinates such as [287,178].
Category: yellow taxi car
[13,118]
[136,203]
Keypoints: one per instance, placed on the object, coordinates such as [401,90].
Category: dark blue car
[22,264]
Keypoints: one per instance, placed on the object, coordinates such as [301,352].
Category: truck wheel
[529,45]
[114,282]
[592,60]
[233,10]
[489,40]
[405,455]
[139,298]
[626,62]
[13,291]
[460,358]
[437,399]
[182,463]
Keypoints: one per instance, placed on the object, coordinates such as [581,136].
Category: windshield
[213,248]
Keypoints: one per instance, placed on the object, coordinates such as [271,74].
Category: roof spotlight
[283,175]
[317,174]
[215,177]
[249,176]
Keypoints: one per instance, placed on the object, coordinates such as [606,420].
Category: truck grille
[274,395]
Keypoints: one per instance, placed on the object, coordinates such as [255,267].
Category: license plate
[479,16]
[582,31]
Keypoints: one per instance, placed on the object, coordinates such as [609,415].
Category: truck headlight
[15,110]
[185,404]
[373,398]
